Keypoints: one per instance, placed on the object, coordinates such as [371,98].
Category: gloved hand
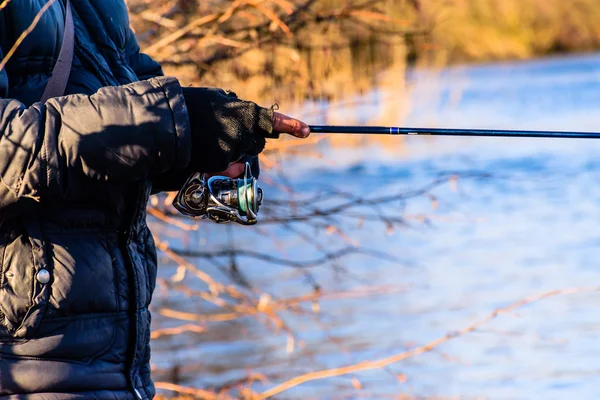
[226,131]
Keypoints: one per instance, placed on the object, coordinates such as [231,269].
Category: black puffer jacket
[77,262]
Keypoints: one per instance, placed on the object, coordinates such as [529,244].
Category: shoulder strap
[62,69]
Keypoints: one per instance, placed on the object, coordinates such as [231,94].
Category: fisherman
[77,262]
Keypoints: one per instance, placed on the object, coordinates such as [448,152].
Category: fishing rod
[222,199]
[395,130]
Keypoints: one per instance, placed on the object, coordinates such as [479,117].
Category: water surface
[530,227]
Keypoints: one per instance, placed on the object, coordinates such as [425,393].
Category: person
[77,262]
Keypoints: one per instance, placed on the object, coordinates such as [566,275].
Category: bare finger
[284,124]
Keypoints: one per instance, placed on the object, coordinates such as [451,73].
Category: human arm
[226,128]
[116,136]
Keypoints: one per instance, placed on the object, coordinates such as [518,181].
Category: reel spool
[220,198]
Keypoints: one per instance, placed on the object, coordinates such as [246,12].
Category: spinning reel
[220,198]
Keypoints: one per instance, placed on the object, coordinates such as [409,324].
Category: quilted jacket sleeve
[116,136]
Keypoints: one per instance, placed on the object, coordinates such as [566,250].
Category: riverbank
[290,52]
[487,30]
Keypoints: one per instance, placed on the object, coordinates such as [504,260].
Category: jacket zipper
[133,298]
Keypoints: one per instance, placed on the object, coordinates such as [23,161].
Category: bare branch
[25,33]
[157,333]
[4,4]
[344,252]
[198,393]
[378,364]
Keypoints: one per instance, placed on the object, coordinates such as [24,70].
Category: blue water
[522,219]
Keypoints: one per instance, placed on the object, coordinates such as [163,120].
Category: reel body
[220,198]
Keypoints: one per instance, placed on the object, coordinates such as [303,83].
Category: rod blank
[394,130]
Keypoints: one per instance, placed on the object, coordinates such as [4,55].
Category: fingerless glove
[224,128]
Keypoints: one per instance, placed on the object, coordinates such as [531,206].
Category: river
[521,219]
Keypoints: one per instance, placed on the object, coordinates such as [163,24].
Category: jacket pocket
[21,295]
[83,272]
